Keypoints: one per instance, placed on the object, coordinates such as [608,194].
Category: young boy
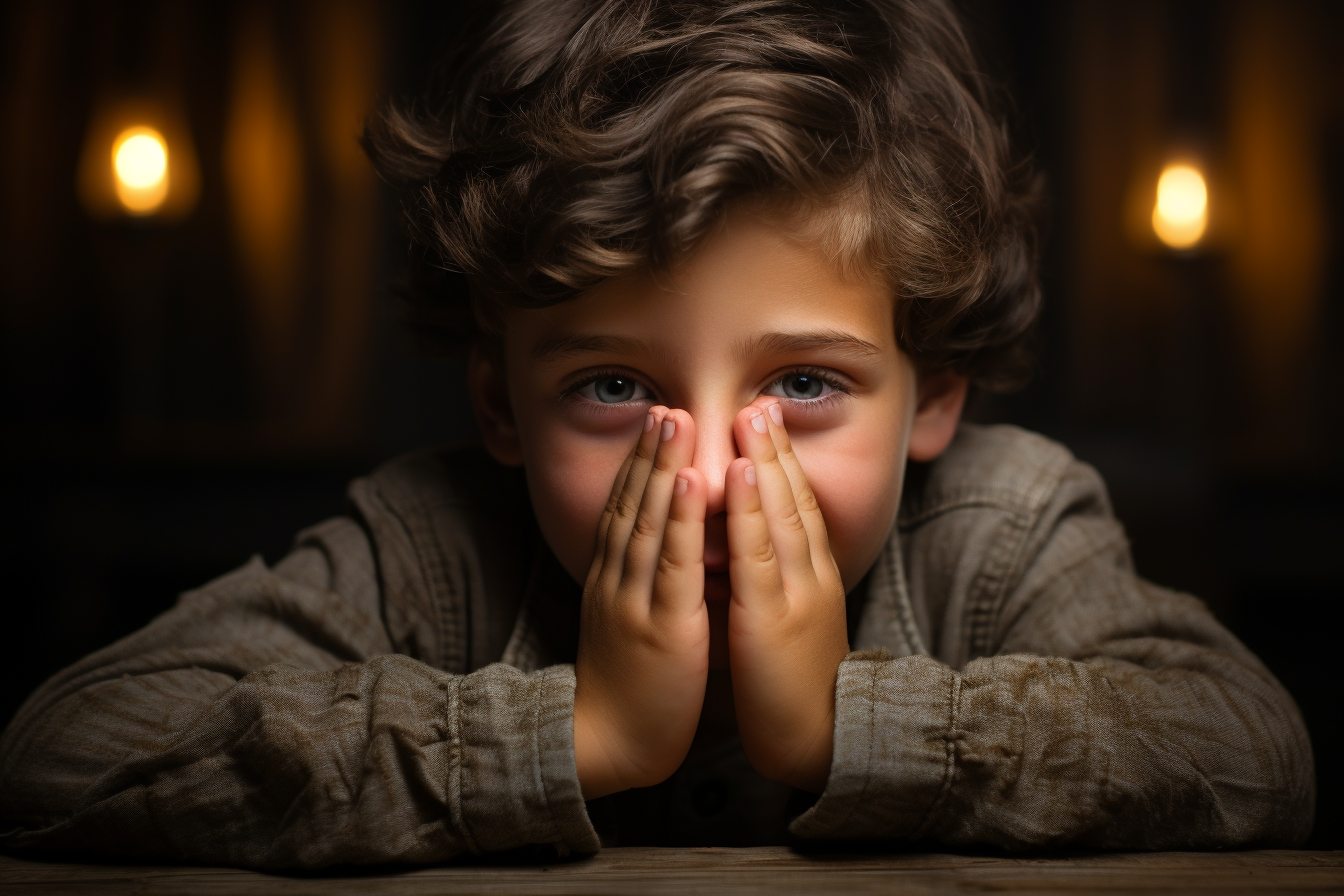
[730,265]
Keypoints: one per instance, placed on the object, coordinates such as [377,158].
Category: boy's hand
[786,622]
[644,631]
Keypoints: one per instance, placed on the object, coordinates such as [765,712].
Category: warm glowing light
[1181,212]
[140,163]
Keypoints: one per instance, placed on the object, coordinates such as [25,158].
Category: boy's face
[754,316]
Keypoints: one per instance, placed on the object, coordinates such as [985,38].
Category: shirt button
[709,797]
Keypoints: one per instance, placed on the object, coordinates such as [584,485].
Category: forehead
[752,284]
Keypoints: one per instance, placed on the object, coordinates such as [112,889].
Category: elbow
[1255,789]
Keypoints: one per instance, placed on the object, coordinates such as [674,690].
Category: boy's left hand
[786,621]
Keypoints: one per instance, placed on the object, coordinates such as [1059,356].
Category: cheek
[569,477]
[856,477]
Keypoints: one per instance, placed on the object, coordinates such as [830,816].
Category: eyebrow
[553,348]
[834,341]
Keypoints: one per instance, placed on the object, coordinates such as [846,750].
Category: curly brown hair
[568,141]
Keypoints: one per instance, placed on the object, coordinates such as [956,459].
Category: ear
[939,400]
[490,402]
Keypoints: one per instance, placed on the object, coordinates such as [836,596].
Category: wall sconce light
[1181,203]
[138,161]
[140,166]
[1181,207]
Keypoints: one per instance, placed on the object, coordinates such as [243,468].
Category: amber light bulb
[140,169]
[1181,209]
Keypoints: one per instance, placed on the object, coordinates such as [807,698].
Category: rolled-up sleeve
[1112,713]
[265,721]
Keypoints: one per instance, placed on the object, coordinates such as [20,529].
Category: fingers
[604,522]
[676,445]
[753,566]
[804,498]
[618,519]
[760,434]
[679,586]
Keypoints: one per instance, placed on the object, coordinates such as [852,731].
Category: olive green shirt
[400,688]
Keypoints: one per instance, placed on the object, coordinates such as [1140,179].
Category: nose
[715,449]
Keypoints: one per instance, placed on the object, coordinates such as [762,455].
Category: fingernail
[649,421]
[776,414]
[680,487]
[758,422]
[750,473]
[669,427]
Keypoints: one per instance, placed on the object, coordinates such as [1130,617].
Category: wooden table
[769,870]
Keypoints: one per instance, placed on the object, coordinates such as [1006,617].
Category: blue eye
[612,389]
[805,386]
[801,387]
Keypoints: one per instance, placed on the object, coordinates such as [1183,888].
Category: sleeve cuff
[516,772]
[893,753]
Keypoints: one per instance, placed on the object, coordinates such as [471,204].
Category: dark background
[180,395]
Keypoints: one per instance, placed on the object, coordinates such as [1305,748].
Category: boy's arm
[266,721]
[1114,714]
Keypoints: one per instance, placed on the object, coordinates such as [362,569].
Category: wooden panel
[770,870]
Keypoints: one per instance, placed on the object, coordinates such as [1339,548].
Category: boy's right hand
[643,653]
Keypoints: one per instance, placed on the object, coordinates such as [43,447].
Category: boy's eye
[612,389]
[803,385]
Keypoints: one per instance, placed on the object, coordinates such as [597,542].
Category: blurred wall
[183,391]
[180,394]
[1204,385]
